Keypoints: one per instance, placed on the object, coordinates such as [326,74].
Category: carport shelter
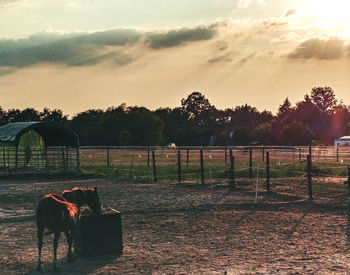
[32,147]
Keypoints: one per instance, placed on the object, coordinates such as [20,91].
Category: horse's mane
[78,188]
[71,207]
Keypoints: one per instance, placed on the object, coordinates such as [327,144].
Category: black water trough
[99,234]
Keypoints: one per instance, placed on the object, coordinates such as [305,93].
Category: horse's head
[82,196]
[92,199]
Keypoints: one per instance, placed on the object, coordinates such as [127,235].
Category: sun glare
[335,13]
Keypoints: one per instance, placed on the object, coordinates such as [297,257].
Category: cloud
[320,49]
[248,3]
[268,24]
[5,71]
[84,49]
[8,2]
[290,12]
[220,58]
[177,37]
[76,49]
[247,58]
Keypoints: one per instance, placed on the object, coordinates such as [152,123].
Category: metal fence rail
[141,155]
[49,160]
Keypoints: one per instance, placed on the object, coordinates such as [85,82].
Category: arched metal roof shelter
[35,147]
[53,134]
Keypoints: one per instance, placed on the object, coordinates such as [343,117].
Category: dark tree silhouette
[197,122]
[323,98]
[296,133]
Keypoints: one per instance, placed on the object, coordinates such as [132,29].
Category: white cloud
[248,3]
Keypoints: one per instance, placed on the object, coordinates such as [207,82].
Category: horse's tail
[71,207]
[45,213]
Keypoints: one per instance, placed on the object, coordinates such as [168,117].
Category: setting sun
[333,14]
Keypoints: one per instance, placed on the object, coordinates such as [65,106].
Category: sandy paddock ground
[171,228]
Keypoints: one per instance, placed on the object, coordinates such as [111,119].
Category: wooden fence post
[268,171]
[154,166]
[179,164]
[309,176]
[225,154]
[250,162]
[108,158]
[310,153]
[148,150]
[263,153]
[232,173]
[188,156]
[202,165]
[348,185]
[337,154]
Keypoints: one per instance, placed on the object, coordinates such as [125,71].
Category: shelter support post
[78,159]
[4,155]
[46,160]
[64,167]
[16,161]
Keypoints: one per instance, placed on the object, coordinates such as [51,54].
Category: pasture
[190,228]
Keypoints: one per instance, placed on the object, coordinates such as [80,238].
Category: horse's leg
[69,236]
[55,244]
[40,245]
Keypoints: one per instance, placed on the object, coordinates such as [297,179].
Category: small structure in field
[38,147]
[342,141]
[99,234]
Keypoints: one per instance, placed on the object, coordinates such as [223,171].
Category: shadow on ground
[80,265]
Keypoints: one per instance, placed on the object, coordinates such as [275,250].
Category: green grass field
[215,171]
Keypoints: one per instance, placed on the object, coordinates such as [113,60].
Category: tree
[125,137]
[87,126]
[3,117]
[295,133]
[198,108]
[340,120]
[285,108]
[263,133]
[242,136]
[323,98]
[52,115]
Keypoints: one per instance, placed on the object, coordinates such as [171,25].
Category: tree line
[318,118]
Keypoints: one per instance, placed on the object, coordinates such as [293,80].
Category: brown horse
[57,215]
[60,213]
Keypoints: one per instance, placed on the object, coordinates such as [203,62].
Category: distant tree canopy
[317,117]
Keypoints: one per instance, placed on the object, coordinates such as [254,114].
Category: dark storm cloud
[320,49]
[69,49]
[177,37]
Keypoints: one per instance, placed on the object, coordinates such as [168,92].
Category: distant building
[342,141]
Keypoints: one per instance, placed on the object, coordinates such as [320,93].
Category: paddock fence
[309,171]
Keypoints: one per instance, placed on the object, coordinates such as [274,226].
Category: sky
[95,54]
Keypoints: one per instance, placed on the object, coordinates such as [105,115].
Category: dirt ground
[171,228]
